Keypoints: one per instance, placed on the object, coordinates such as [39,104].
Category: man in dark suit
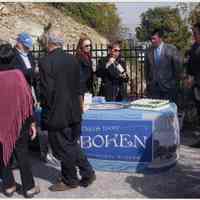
[23,59]
[193,71]
[163,66]
[60,97]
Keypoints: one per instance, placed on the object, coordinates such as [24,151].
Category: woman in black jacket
[112,71]
[84,56]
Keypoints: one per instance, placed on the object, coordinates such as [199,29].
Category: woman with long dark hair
[84,56]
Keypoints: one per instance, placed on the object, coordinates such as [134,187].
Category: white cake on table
[150,104]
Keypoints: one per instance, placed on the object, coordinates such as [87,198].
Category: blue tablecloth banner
[130,139]
[117,140]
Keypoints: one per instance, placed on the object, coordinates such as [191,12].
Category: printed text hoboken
[114,140]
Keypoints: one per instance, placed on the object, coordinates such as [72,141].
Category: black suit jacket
[193,67]
[111,74]
[111,80]
[18,63]
[60,89]
[168,72]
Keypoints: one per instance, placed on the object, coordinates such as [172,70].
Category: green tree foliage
[102,17]
[195,15]
[166,18]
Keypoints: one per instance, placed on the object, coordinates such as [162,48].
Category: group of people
[61,97]
[17,119]
[111,69]
[63,81]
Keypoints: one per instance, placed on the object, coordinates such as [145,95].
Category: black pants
[66,148]
[21,153]
[43,142]
[197,105]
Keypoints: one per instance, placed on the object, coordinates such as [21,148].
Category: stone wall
[33,17]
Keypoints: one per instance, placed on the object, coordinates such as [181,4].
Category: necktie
[157,56]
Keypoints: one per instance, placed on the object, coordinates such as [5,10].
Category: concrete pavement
[181,181]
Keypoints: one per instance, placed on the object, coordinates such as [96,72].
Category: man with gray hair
[60,99]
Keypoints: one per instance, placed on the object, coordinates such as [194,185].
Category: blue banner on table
[117,140]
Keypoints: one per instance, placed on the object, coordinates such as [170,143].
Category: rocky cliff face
[33,17]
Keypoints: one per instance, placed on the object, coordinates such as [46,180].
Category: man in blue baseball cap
[25,39]
[24,61]
[23,58]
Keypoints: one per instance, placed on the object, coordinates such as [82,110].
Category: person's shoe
[85,182]
[32,192]
[195,145]
[10,191]
[61,186]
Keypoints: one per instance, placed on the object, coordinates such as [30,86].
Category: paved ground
[181,181]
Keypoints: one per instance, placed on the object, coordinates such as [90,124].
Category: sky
[130,12]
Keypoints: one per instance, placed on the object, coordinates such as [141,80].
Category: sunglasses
[117,50]
[88,45]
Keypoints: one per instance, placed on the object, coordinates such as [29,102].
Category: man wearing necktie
[163,65]
[157,52]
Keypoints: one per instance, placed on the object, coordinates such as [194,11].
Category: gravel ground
[181,181]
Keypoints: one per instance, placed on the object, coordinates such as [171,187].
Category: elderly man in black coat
[60,98]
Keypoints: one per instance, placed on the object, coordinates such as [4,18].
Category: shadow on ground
[181,181]
[43,170]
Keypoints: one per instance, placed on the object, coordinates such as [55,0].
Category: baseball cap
[25,39]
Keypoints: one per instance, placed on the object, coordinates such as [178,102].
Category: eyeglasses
[88,45]
[117,50]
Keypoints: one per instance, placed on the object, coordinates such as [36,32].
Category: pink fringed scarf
[15,107]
